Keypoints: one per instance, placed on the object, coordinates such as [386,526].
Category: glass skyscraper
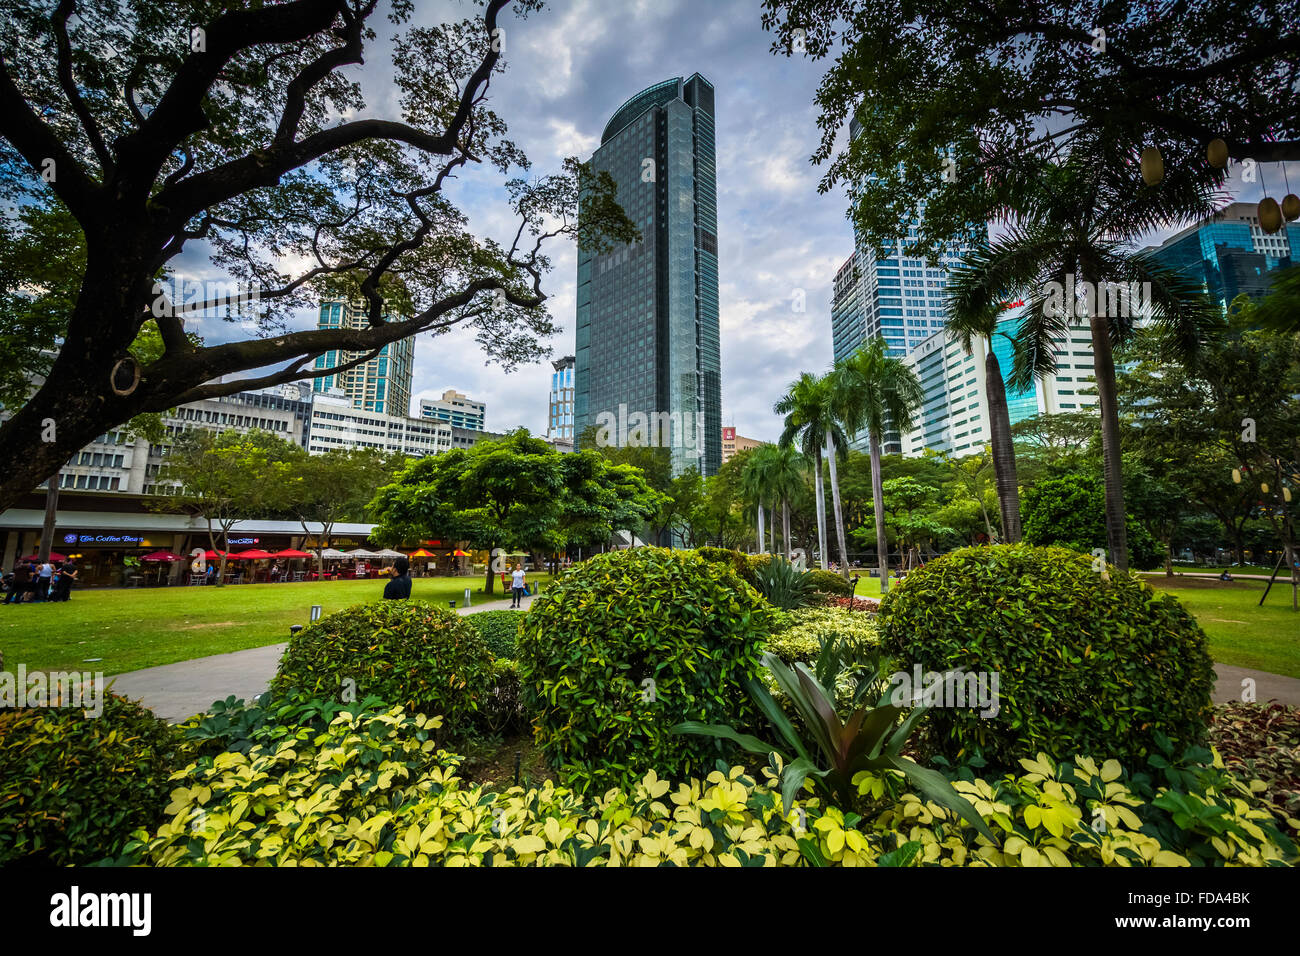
[647,313]
[559,420]
[380,384]
[1230,254]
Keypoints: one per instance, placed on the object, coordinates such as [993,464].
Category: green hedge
[591,646]
[499,630]
[72,788]
[1086,662]
[801,640]
[828,582]
[403,652]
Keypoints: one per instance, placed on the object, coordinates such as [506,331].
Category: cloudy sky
[568,68]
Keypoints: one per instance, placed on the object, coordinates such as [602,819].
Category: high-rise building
[1229,254]
[381,384]
[456,409]
[954,418]
[559,418]
[647,312]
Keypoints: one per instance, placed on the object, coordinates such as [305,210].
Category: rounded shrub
[403,652]
[742,564]
[629,644]
[498,630]
[73,789]
[1086,662]
[828,582]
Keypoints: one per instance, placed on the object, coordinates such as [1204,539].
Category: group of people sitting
[30,582]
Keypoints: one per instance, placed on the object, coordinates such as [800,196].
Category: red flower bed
[856,604]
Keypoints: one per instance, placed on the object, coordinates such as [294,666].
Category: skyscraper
[559,418]
[1229,254]
[455,408]
[647,313]
[380,384]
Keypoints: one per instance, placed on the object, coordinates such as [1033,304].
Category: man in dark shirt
[22,583]
[400,586]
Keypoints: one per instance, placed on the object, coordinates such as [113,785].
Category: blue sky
[568,68]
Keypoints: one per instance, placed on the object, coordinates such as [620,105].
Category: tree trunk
[785,527]
[839,508]
[760,528]
[1112,474]
[878,502]
[1004,450]
[1169,557]
[51,514]
[820,494]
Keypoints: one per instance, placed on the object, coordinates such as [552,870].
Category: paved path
[177,691]
[1229,686]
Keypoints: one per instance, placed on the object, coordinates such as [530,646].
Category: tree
[977,83]
[874,392]
[971,319]
[909,508]
[809,418]
[1071,231]
[786,470]
[1068,511]
[335,486]
[972,491]
[158,128]
[227,477]
[757,485]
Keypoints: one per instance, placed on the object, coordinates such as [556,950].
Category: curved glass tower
[647,313]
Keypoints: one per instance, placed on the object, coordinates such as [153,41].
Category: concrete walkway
[177,691]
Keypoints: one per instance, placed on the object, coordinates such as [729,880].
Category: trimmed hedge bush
[403,652]
[499,630]
[828,582]
[72,789]
[1086,663]
[627,645]
[374,790]
[801,641]
[744,565]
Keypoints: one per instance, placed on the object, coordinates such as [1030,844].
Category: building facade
[559,414]
[733,443]
[1229,254]
[381,384]
[954,418]
[336,423]
[647,339]
[455,409]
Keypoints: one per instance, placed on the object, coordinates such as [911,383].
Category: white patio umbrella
[362,553]
[389,553]
[332,554]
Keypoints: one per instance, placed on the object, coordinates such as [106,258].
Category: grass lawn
[134,628]
[1264,638]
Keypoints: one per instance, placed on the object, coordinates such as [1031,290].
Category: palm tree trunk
[760,528]
[785,526]
[839,509]
[1112,474]
[1004,450]
[877,500]
[820,495]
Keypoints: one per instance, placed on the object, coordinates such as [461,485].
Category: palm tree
[874,391]
[755,483]
[809,419]
[786,474]
[970,314]
[1072,227]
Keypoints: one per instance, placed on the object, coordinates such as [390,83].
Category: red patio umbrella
[213,555]
[162,556]
[292,553]
[252,554]
[54,556]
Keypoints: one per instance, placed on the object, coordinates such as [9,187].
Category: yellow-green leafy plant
[811,626]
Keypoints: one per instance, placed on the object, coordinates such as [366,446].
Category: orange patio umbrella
[422,554]
[460,554]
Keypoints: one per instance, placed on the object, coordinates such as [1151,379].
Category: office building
[1229,254]
[732,443]
[954,418]
[559,416]
[455,409]
[336,423]
[381,384]
[647,312]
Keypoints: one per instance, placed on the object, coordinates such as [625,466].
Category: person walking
[518,586]
[398,587]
